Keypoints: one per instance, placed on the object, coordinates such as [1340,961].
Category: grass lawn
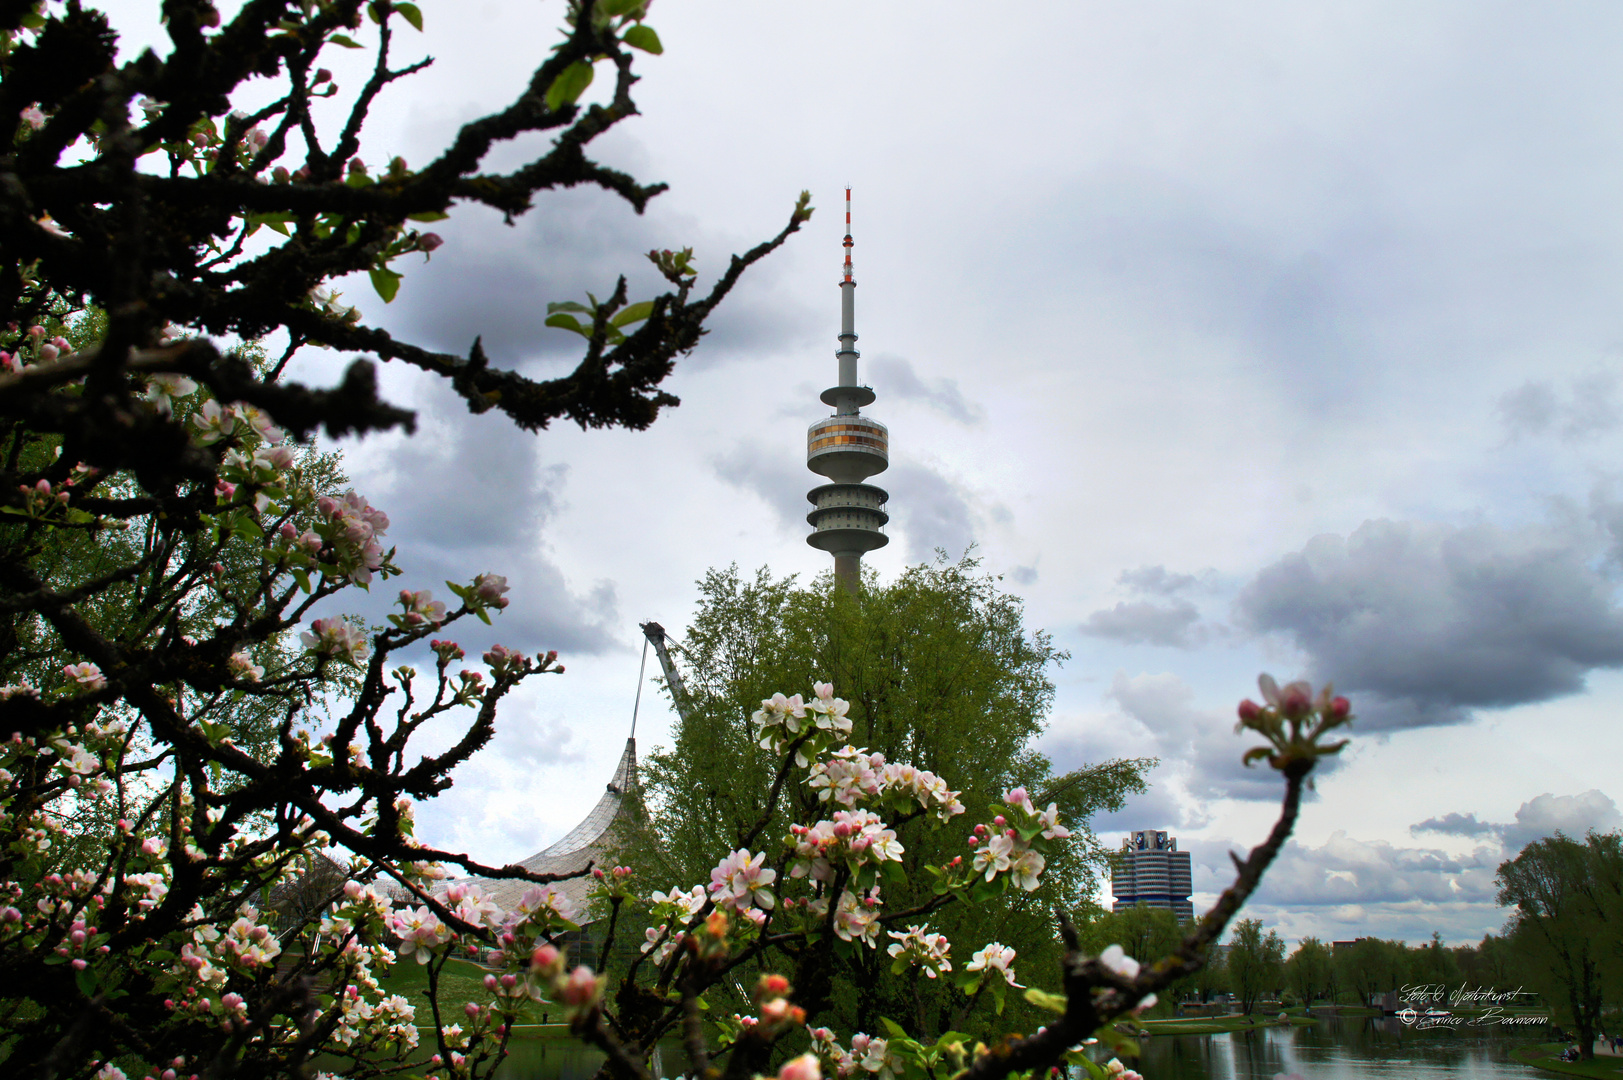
[1543,1056]
[1212,1025]
[461,982]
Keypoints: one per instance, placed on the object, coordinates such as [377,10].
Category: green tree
[941,672]
[1564,926]
[1256,962]
[1213,978]
[1308,970]
[1434,964]
[168,755]
[1142,931]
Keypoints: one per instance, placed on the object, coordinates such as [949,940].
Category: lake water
[1351,1048]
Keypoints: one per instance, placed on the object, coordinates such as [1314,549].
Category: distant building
[1150,870]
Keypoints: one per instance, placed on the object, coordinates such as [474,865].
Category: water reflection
[1355,1048]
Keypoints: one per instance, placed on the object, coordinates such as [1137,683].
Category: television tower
[847,448]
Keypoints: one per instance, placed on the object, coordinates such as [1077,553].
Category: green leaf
[896,1030]
[643,37]
[346,41]
[32,21]
[568,305]
[385,281]
[633,313]
[484,616]
[567,322]
[1044,1000]
[86,981]
[618,7]
[999,988]
[303,579]
[411,13]
[570,84]
[428,215]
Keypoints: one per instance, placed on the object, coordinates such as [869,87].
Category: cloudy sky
[1238,337]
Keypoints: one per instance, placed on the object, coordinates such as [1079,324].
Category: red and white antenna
[847,234]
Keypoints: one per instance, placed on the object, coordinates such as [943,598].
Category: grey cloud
[1143,623]
[1202,740]
[933,512]
[529,739]
[1024,575]
[1545,815]
[895,377]
[1426,623]
[1457,825]
[1530,409]
[1535,408]
[777,478]
[1349,888]
[1155,579]
[1348,871]
[467,495]
[1574,815]
[1157,808]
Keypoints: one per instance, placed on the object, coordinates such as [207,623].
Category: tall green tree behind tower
[941,673]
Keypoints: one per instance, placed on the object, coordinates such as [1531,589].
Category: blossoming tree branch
[208,773]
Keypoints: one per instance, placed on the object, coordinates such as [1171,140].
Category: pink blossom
[1017,797]
[804,1067]
[1116,959]
[86,675]
[488,588]
[214,423]
[1026,868]
[741,881]
[994,857]
[420,932]
[994,957]
[33,117]
[580,991]
[336,637]
[547,960]
[421,608]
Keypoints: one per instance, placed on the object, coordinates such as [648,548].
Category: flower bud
[1249,711]
[581,990]
[804,1067]
[471,1010]
[546,958]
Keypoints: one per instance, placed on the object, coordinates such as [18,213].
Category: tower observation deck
[848,515]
